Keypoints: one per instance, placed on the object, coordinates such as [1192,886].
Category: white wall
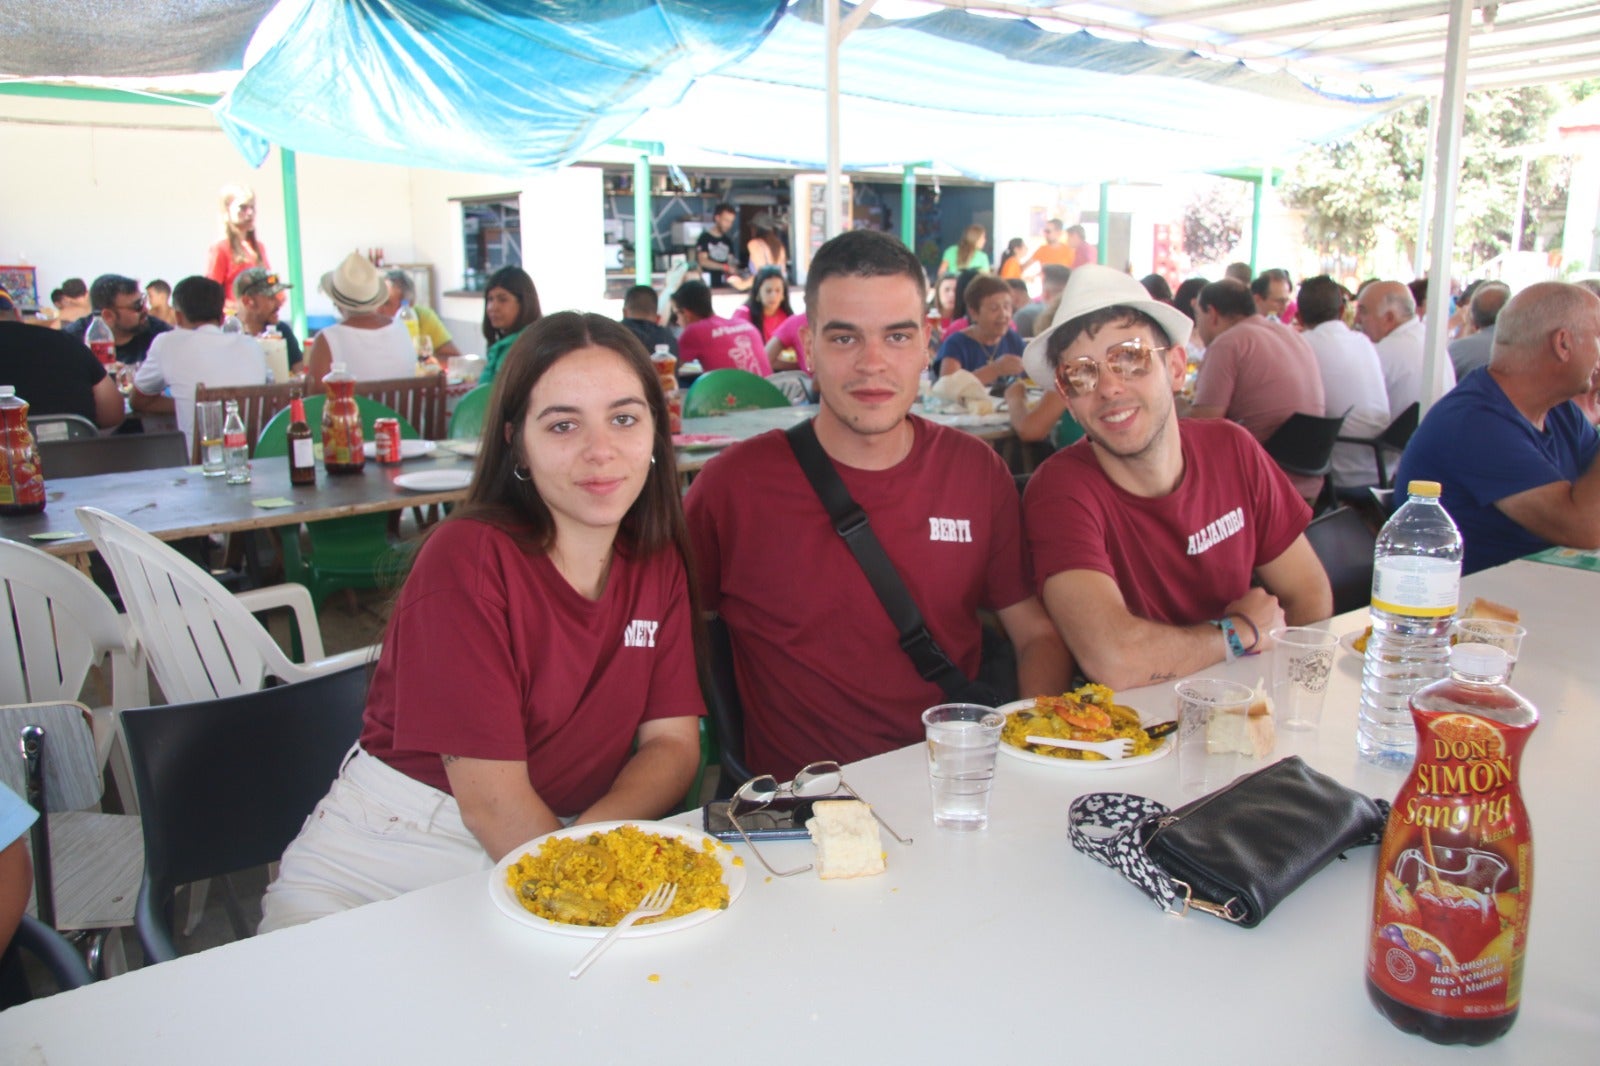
[88,189]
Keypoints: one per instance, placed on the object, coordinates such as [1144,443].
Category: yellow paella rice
[598,878]
[1087,713]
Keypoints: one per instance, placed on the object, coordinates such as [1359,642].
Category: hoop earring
[521,473]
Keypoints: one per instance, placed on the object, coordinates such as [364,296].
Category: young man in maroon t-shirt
[1144,539]
[820,670]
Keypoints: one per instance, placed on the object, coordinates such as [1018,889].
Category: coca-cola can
[387,432]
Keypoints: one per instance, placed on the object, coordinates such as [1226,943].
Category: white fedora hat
[1094,288]
[355,287]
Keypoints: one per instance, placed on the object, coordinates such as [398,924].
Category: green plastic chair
[721,391]
[466,422]
[346,553]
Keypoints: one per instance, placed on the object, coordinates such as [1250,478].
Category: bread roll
[846,836]
[1482,608]
[1250,733]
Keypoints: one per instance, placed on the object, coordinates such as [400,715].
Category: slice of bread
[1482,608]
[1250,733]
[847,839]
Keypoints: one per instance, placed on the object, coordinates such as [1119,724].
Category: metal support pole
[291,225]
[1452,99]
[644,224]
[1522,199]
[1420,259]
[908,206]
[1103,226]
[830,30]
[1255,217]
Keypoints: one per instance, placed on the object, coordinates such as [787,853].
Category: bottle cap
[1480,661]
[1426,489]
[7,391]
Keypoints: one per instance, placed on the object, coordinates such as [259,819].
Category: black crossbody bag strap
[851,523]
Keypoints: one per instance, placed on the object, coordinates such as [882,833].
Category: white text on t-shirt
[955,530]
[1216,532]
[640,634]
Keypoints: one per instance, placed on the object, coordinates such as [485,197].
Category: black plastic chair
[1343,542]
[1394,439]
[61,427]
[81,457]
[225,785]
[1304,446]
[725,709]
[57,954]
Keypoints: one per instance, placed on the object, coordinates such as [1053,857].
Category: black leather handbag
[1235,853]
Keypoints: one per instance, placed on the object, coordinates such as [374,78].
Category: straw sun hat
[356,287]
[1094,288]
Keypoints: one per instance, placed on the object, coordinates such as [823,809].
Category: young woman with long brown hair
[539,667]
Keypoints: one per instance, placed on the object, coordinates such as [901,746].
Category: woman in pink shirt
[768,305]
[240,248]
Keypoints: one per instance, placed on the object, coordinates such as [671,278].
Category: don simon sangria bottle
[342,439]
[1455,870]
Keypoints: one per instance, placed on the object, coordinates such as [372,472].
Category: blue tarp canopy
[484,85]
[508,86]
[1002,98]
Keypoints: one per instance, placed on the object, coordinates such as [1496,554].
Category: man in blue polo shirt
[1513,453]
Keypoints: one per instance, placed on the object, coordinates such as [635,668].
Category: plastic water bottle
[235,447]
[408,318]
[101,341]
[1416,582]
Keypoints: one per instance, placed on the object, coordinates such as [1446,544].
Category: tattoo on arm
[448,759]
[1161,677]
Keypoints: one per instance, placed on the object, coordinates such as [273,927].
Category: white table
[1029,951]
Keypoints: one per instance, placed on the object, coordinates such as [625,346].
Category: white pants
[377,834]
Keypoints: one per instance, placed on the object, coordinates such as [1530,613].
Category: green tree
[1348,190]
[1213,221]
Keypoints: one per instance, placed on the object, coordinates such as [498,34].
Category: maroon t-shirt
[1179,559]
[492,655]
[818,663]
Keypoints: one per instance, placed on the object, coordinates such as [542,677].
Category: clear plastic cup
[963,741]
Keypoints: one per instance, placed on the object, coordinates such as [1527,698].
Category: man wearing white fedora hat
[371,345]
[1146,538]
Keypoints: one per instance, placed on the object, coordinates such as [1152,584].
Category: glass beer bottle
[302,457]
[1455,869]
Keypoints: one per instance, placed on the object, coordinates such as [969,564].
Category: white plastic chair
[87,865]
[58,625]
[202,642]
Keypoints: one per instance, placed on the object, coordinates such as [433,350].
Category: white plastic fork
[1111,749]
[655,903]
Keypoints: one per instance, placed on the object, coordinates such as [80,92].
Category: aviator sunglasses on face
[815,781]
[1128,360]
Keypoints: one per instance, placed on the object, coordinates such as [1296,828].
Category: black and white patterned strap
[1121,846]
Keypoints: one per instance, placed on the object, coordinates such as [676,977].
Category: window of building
[491,235]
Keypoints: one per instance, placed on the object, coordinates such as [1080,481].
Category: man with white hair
[1475,349]
[1387,313]
[1514,454]
[1149,535]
